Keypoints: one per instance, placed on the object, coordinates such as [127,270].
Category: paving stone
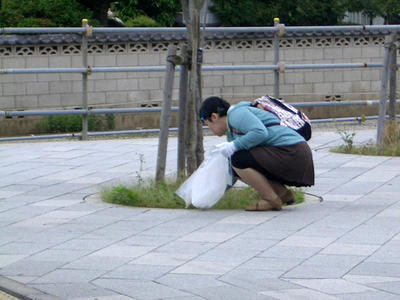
[138,272]
[211,237]
[204,268]
[377,269]
[162,259]
[122,251]
[392,287]
[315,271]
[306,241]
[256,280]
[59,255]
[111,297]
[8,259]
[190,281]
[69,276]
[73,290]
[244,243]
[228,292]
[26,267]
[370,295]
[350,249]
[271,264]
[21,248]
[331,286]
[290,252]
[140,289]
[296,294]
[97,263]
[362,279]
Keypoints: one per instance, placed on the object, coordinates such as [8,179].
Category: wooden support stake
[392,80]
[383,95]
[183,92]
[165,115]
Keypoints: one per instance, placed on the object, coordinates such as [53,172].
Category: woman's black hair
[213,105]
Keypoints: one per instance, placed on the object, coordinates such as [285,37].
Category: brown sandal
[288,198]
[276,203]
[261,205]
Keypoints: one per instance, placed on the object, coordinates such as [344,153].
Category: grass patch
[369,149]
[163,196]
[391,143]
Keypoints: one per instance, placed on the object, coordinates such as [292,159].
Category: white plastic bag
[207,185]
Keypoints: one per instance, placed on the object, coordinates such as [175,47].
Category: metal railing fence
[278,67]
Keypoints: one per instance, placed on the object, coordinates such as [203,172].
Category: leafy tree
[313,12]
[391,11]
[42,13]
[290,12]
[162,11]
[371,8]
[245,12]
[99,8]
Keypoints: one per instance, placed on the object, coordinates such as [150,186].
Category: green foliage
[141,21]
[151,195]
[42,13]
[68,123]
[162,11]
[290,12]
[245,12]
[163,196]
[391,143]
[371,8]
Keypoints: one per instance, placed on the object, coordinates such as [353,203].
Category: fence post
[383,94]
[276,59]
[84,79]
[183,91]
[392,79]
[165,115]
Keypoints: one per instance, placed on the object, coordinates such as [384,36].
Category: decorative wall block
[243,44]
[343,41]
[223,45]
[323,42]
[25,50]
[96,49]
[48,50]
[304,43]
[286,43]
[138,47]
[361,41]
[70,49]
[5,51]
[209,45]
[377,40]
[116,48]
[263,44]
[159,47]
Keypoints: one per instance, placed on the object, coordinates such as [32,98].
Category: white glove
[225,148]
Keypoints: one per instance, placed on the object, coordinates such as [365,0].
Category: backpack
[289,116]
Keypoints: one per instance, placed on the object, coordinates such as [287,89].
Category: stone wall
[40,91]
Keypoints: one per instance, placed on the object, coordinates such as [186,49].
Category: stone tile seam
[331,295]
[378,289]
[358,175]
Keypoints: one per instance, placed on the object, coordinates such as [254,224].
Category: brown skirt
[291,165]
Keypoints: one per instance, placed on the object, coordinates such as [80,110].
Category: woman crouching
[263,154]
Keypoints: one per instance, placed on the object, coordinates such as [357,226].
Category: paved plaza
[57,243]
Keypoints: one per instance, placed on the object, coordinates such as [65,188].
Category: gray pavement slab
[60,243]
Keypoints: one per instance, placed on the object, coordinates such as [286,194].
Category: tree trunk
[165,115]
[194,148]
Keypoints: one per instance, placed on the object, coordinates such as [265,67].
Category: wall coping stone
[37,39]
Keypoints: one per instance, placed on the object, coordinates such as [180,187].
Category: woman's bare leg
[261,184]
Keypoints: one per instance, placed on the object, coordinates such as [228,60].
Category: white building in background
[361,18]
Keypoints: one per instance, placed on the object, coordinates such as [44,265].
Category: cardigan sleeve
[252,130]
